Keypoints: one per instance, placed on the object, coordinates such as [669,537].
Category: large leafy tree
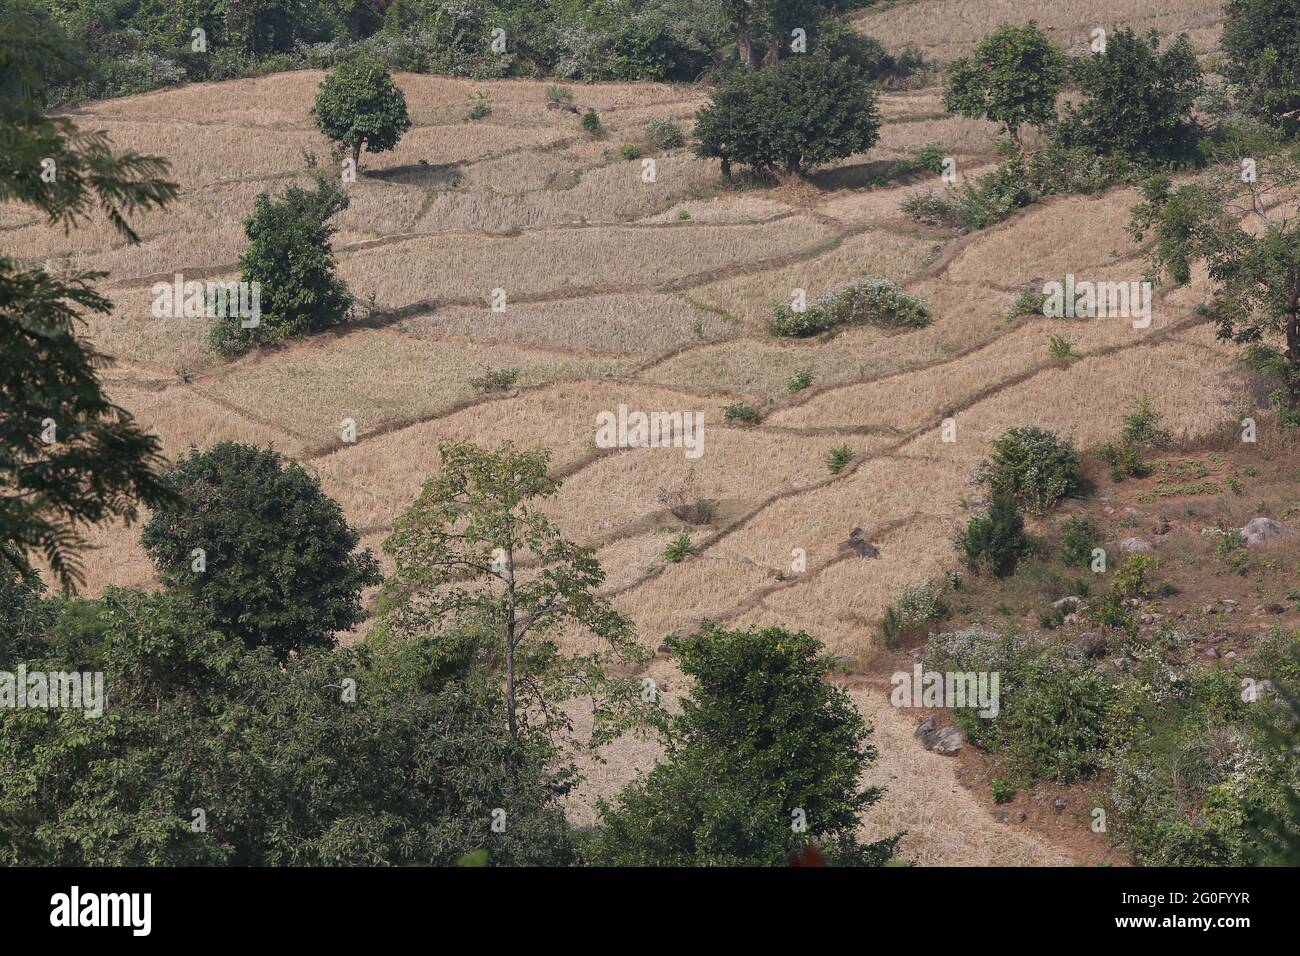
[476,554]
[1243,223]
[1013,77]
[763,760]
[68,456]
[359,756]
[801,112]
[260,548]
[1261,40]
[1139,99]
[290,259]
[360,107]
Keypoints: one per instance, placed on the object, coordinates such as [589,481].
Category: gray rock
[946,741]
[1259,530]
[1073,601]
[860,545]
[924,727]
[1002,815]
[1136,546]
[1090,645]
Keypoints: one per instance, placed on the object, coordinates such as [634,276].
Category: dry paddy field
[655,296]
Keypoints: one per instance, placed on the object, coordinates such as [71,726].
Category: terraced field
[655,295]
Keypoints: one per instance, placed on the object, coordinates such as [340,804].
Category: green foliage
[460,552]
[1053,712]
[495,380]
[360,107]
[664,133]
[800,380]
[630,151]
[558,94]
[290,259]
[1142,426]
[988,200]
[69,458]
[929,157]
[742,413]
[1060,348]
[277,567]
[591,124]
[1139,100]
[994,543]
[25,616]
[1079,536]
[481,108]
[1133,577]
[762,743]
[1034,466]
[1253,261]
[1261,40]
[1001,790]
[1013,78]
[802,112]
[1230,548]
[868,301]
[838,458]
[918,608]
[679,549]
[194,721]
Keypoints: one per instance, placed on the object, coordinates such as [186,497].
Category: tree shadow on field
[877,173]
[423,175]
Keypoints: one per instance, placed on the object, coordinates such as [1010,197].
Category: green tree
[1034,466]
[357,756]
[1261,42]
[475,554]
[763,760]
[994,542]
[803,111]
[260,548]
[1139,100]
[1245,226]
[290,260]
[68,456]
[360,107]
[1013,78]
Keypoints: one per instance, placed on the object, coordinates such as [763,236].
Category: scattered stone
[1230,656]
[1059,804]
[946,741]
[1161,526]
[1090,645]
[1275,608]
[860,545]
[1002,815]
[1147,618]
[1136,546]
[1210,652]
[1259,530]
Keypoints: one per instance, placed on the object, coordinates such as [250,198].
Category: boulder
[946,741]
[1090,645]
[1136,546]
[1259,530]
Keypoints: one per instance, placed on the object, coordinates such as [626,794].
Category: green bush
[800,380]
[679,549]
[838,458]
[917,609]
[868,301]
[1079,536]
[1036,467]
[1133,577]
[994,543]
[664,134]
[741,412]
[591,124]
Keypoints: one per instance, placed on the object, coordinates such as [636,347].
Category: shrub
[1133,576]
[495,380]
[1231,550]
[664,134]
[1001,790]
[799,113]
[1079,536]
[558,94]
[630,151]
[260,548]
[868,301]
[994,543]
[481,109]
[990,199]
[1142,426]
[591,124]
[917,609]
[290,261]
[929,157]
[1059,347]
[685,504]
[1125,461]
[679,549]
[741,412]
[801,379]
[1035,467]
[838,458]
[1261,40]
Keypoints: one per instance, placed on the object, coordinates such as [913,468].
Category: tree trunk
[511,721]
[356,156]
[773,53]
[1293,355]
[746,46]
[726,167]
